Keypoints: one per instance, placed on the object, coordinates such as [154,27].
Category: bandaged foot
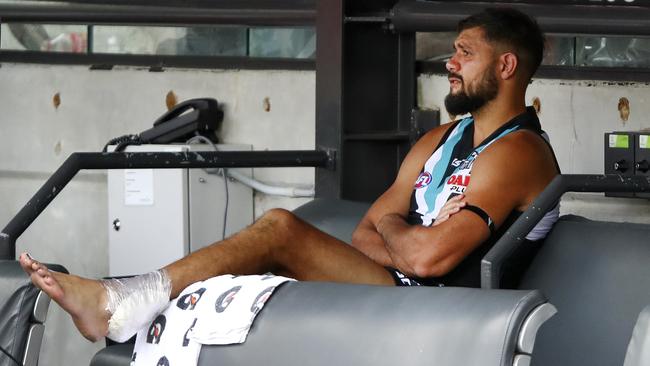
[113,308]
[83,299]
[134,302]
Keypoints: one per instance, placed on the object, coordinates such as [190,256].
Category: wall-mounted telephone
[189,118]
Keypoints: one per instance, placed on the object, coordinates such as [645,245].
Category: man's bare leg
[283,244]
[278,242]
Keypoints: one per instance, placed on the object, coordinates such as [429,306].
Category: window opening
[561,50]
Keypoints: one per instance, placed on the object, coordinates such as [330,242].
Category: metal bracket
[331,159]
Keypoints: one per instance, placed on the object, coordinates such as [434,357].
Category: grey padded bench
[23,311]
[334,324]
[339,324]
[597,274]
[338,218]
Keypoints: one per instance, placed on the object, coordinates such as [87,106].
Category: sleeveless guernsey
[448,172]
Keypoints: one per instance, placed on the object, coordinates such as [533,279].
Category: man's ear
[508,63]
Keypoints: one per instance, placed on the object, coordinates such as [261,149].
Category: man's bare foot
[84,299]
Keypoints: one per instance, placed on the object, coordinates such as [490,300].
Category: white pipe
[272,190]
[257,185]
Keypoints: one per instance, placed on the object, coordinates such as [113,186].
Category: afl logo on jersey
[423,180]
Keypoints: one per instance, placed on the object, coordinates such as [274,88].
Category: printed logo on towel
[189,301]
[163,361]
[260,300]
[423,180]
[186,340]
[225,299]
[156,329]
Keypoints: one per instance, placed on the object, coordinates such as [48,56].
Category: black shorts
[401,279]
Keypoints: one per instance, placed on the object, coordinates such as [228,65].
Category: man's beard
[471,101]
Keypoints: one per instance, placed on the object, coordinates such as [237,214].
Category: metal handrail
[149,160]
[493,261]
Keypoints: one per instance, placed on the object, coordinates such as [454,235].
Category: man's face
[472,74]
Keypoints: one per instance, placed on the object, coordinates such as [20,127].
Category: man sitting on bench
[431,227]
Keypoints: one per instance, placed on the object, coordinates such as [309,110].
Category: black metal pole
[516,234]
[435,16]
[35,206]
[329,92]
[149,160]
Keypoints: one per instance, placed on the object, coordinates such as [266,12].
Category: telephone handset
[189,118]
[207,110]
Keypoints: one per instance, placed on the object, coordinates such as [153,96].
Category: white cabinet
[157,216]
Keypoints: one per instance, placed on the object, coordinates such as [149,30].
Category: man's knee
[281,219]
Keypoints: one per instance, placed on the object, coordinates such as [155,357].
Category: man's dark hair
[511,28]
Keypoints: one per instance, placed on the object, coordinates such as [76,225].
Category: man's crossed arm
[507,176]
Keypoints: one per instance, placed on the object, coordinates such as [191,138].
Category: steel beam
[252,13]
[435,16]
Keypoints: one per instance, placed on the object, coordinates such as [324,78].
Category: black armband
[484,216]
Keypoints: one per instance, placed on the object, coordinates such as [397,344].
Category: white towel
[219,310]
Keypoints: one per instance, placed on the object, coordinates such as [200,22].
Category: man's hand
[392,228]
[453,206]
[368,241]
[391,225]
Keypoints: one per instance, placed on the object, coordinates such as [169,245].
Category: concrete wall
[576,114]
[268,109]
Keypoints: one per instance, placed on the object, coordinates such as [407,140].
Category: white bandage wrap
[134,302]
